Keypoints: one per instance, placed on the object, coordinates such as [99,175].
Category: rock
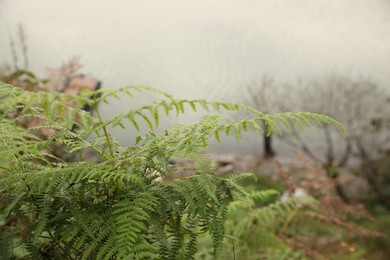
[355,187]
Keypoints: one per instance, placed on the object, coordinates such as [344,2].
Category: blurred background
[198,49]
[325,56]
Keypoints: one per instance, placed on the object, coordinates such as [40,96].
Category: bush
[116,207]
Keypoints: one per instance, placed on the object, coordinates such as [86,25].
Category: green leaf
[134,123]
[193,106]
[227,129]
[203,103]
[237,132]
[216,134]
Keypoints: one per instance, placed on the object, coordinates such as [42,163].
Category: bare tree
[357,103]
[262,93]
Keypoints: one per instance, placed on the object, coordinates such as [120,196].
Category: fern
[116,208]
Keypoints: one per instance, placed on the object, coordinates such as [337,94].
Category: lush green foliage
[298,227]
[117,207]
[254,229]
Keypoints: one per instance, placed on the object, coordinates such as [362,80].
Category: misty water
[202,49]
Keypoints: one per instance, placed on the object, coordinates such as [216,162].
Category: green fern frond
[116,207]
[273,121]
[264,195]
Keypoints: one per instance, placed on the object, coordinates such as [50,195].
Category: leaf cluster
[117,207]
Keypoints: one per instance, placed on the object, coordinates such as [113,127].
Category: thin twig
[288,221]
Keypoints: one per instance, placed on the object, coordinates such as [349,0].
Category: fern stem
[288,221]
[53,239]
[7,169]
[109,144]
[234,251]
[100,153]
